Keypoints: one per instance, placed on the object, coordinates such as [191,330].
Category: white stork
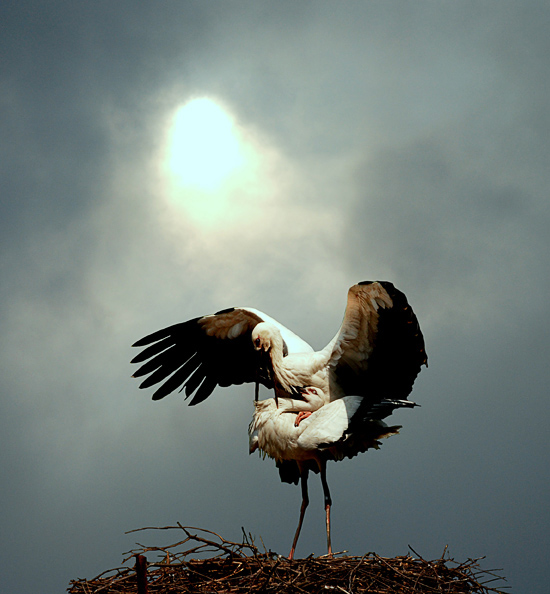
[328,404]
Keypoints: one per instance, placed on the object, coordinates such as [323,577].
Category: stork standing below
[327,404]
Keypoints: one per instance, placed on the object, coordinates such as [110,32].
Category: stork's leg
[305,502]
[328,501]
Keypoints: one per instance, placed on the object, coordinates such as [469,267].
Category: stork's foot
[300,417]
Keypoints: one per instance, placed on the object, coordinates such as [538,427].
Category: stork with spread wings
[327,404]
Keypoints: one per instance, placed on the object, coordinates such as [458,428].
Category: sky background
[401,141]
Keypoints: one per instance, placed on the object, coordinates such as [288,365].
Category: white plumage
[328,404]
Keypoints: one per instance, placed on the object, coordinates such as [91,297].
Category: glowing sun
[216,171]
[204,146]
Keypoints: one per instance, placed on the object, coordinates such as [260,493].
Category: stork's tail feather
[289,471]
[384,408]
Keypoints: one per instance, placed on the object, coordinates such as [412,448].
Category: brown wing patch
[229,323]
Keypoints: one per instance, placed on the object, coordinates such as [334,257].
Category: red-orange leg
[328,502]
[303,507]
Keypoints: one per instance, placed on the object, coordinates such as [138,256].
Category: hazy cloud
[393,141]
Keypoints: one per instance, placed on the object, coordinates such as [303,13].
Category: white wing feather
[328,424]
[294,343]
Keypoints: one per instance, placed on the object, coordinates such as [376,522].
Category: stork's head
[264,336]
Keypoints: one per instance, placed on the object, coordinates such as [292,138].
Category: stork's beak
[256,391]
[276,400]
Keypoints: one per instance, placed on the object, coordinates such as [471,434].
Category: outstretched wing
[379,349]
[202,353]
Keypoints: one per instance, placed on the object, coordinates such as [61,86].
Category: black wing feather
[152,350]
[159,334]
[399,351]
[194,381]
[205,389]
[397,356]
[177,380]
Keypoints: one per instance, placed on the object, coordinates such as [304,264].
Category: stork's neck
[285,405]
[290,372]
[294,405]
[282,379]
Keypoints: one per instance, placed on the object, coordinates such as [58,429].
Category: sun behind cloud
[212,168]
[204,148]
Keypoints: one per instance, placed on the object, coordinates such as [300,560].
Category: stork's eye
[257,341]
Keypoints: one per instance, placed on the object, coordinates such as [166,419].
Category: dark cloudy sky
[402,141]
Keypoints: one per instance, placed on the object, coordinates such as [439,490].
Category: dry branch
[236,568]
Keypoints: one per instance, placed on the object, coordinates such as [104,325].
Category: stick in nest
[234,568]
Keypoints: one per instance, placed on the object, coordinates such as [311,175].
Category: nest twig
[204,562]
